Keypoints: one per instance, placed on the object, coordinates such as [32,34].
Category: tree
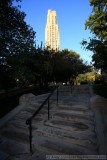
[67,65]
[15,35]
[97,21]
[45,66]
[97,24]
[16,42]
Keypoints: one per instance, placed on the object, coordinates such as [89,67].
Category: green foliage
[87,77]
[98,18]
[97,24]
[16,41]
[67,65]
[15,35]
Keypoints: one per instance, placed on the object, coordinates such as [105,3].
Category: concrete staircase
[69,131]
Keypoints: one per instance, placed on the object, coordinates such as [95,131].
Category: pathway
[71,129]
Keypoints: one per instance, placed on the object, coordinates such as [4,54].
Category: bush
[100,89]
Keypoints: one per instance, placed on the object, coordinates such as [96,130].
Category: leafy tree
[46,67]
[16,42]
[15,35]
[67,65]
[97,21]
[97,24]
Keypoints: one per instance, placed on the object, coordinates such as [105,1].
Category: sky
[71,16]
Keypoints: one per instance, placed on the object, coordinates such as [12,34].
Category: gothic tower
[52,37]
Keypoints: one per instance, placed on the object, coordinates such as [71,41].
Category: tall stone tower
[52,37]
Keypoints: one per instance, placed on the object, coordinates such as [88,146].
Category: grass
[9,102]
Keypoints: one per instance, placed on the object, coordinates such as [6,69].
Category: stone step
[11,148]
[75,123]
[70,126]
[75,99]
[24,116]
[75,107]
[89,142]
[22,124]
[71,103]
[31,110]
[73,117]
[16,134]
[66,133]
[17,123]
[69,116]
[58,146]
[80,112]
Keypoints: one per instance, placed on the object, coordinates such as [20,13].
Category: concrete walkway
[75,127]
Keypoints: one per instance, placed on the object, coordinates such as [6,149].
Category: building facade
[52,36]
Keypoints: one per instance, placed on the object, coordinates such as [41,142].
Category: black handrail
[29,120]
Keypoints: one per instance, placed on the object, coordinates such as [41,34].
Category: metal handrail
[29,120]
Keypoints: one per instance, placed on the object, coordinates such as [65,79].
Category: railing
[29,120]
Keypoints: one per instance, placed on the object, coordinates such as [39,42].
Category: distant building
[52,36]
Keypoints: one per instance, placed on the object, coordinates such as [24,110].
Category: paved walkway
[71,130]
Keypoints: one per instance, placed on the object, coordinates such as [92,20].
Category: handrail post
[48,110]
[30,126]
[57,95]
[29,122]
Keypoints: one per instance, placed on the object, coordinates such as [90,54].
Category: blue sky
[71,16]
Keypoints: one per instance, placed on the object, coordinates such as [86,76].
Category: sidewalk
[74,127]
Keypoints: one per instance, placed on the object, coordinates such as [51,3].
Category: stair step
[11,148]
[73,118]
[16,134]
[73,106]
[58,146]
[76,126]
[89,142]
[84,113]
[17,124]
[53,130]
[22,124]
